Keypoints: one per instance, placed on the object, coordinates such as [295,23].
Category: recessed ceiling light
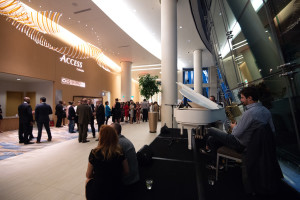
[69,17]
[180,26]
[18,79]
[78,21]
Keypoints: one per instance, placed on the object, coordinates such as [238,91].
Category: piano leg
[189,139]
[189,131]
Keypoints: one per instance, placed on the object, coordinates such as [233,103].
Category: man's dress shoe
[28,143]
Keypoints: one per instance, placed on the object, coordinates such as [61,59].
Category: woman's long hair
[108,143]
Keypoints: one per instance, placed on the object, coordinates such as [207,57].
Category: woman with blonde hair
[106,167]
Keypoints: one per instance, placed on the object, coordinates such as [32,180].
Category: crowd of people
[82,113]
[85,113]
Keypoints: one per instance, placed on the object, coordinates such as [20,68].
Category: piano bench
[227,153]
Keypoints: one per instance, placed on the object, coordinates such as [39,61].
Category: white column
[126,81]
[198,71]
[168,60]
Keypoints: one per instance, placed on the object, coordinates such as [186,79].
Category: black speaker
[144,156]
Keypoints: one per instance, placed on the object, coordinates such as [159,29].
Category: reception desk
[9,123]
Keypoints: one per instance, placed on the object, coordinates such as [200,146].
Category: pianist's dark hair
[258,92]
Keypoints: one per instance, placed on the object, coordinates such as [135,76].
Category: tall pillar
[126,81]
[168,59]
[198,80]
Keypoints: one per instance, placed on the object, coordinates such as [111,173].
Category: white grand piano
[203,112]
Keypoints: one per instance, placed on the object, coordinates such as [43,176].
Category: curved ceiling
[90,23]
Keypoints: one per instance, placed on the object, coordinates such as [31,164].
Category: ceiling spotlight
[180,26]
[18,79]
[69,17]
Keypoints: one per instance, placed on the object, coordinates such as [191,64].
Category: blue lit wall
[188,76]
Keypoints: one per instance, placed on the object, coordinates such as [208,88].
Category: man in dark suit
[42,112]
[100,114]
[84,113]
[71,117]
[59,111]
[25,121]
[89,101]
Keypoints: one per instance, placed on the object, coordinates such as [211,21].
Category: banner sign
[67,81]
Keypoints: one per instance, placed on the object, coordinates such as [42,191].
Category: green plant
[148,86]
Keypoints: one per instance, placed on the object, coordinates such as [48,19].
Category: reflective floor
[56,170]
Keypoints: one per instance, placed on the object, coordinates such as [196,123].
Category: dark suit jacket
[71,113]
[59,110]
[84,113]
[42,112]
[100,113]
[262,166]
[25,113]
[92,106]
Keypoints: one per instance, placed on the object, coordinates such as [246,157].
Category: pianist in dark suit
[25,121]
[42,112]
[241,132]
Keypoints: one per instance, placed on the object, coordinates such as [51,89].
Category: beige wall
[22,56]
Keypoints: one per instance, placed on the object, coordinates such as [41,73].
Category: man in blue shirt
[241,132]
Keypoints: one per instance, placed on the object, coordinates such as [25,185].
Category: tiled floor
[57,171]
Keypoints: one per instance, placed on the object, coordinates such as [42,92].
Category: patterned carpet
[9,142]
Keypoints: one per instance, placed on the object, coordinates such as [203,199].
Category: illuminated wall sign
[67,81]
[73,62]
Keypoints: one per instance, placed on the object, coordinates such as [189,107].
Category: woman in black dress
[107,165]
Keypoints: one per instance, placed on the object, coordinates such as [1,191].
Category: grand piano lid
[196,97]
